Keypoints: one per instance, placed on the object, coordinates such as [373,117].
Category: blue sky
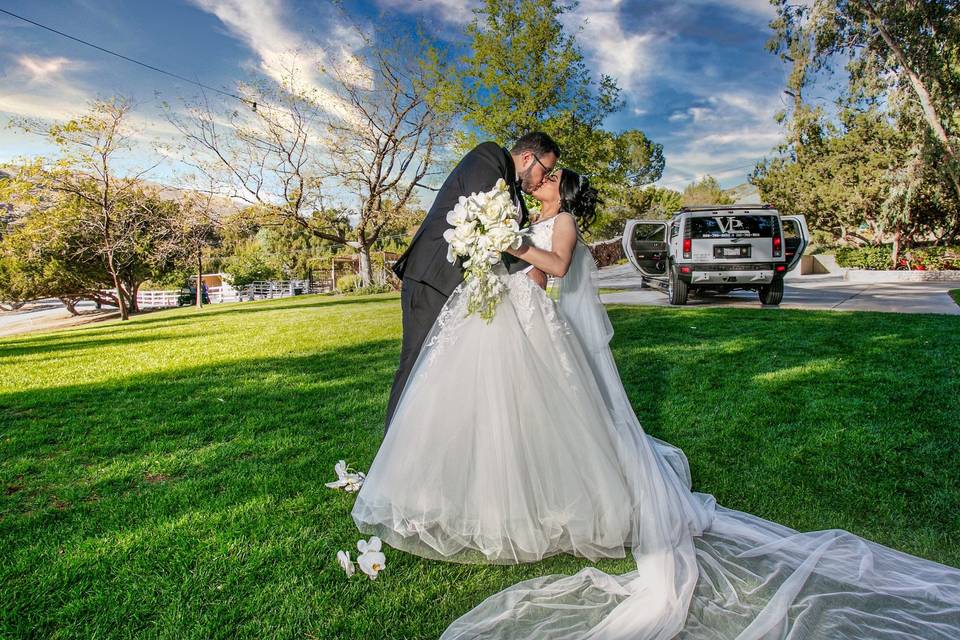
[695,73]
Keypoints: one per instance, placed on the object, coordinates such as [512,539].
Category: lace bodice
[541,233]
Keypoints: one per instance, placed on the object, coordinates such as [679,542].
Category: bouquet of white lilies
[484,226]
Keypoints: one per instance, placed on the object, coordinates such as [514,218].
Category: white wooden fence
[154,299]
[282,288]
[254,291]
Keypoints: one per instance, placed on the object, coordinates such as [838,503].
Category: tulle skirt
[501,449]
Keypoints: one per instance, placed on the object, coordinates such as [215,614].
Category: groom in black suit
[428,277]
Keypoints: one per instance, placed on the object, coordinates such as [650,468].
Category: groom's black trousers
[420,305]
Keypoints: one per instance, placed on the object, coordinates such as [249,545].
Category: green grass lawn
[164,478]
[955,294]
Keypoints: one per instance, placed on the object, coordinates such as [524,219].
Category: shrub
[865,257]
[348,283]
[935,258]
[926,258]
[373,288]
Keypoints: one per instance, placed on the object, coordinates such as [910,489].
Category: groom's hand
[538,276]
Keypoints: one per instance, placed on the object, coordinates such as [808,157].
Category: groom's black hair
[537,142]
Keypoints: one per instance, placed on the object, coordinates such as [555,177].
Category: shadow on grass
[160,489]
[65,344]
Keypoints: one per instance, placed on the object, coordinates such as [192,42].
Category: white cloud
[42,70]
[282,52]
[48,95]
[41,90]
[264,29]
[723,136]
[627,56]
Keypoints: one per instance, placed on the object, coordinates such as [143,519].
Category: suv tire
[772,293]
[676,288]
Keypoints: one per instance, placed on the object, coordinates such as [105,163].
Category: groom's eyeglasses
[549,172]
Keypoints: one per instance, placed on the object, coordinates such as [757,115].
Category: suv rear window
[732,226]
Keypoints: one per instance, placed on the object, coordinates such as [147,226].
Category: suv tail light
[687,247]
[777,247]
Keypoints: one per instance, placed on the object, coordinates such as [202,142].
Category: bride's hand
[538,277]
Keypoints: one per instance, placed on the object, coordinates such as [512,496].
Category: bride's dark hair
[578,197]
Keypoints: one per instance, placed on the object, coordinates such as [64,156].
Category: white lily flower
[371,560]
[343,558]
[347,480]
[369,545]
[354,482]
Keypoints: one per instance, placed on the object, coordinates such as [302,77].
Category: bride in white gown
[515,440]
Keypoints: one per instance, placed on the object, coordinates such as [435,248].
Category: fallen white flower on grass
[371,560]
[349,481]
[343,558]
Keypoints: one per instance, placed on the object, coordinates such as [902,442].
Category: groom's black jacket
[426,258]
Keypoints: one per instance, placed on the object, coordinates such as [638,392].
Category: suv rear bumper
[730,274]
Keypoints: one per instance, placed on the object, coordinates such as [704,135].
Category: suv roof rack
[714,207]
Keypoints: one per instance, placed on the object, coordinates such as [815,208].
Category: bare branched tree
[382,148]
[368,138]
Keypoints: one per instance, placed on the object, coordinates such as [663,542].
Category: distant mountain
[744,193]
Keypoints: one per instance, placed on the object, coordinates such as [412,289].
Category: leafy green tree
[900,53]
[294,250]
[523,72]
[250,263]
[42,257]
[650,203]
[861,171]
[120,223]
[705,191]
[197,230]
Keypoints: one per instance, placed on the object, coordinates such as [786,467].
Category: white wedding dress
[515,440]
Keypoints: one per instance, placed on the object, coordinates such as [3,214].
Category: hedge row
[879,258]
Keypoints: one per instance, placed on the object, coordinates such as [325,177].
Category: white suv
[716,249]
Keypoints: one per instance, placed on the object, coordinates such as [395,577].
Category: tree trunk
[121,300]
[199,280]
[366,267]
[71,305]
[895,256]
[132,289]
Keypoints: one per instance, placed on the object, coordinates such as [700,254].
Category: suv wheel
[772,293]
[676,288]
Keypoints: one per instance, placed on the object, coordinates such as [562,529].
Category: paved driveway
[828,291]
[50,314]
